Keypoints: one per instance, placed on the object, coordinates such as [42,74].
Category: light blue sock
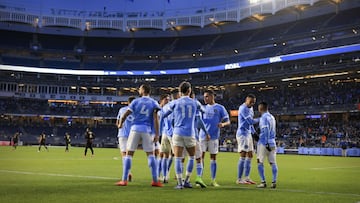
[126,167]
[153,166]
[164,167]
[199,169]
[178,169]
[261,171]
[247,167]
[190,164]
[241,164]
[274,169]
[159,164]
[213,168]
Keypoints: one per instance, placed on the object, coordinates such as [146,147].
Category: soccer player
[244,138]
[184,111]
[144,111]
[89,136]
[166,134]
[199,124]
[15,140]
[215,117]
[123,133]
[67,139]
[42,139]
[266,145]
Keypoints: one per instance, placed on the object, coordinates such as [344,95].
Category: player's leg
[158,157]
[261,153]
[86,149]
[131,146]
[274,168]
[199,166]
[122,147]
[178,145]
[248,159]
[203,148]
[165,152]
[242,149]
[190,144]
[149,148]
[214,150]
[171,156]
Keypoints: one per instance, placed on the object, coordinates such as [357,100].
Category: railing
[128,22]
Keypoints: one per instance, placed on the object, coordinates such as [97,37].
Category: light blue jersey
[142,109]
[125,130]
[245,121]
[184,112]
[212,116]
[167,128]
[267,129]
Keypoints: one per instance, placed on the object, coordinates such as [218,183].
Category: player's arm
[123,118]
[200,124]
[225,121]
[156,125]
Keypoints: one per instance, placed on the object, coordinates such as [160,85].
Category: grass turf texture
[56,176]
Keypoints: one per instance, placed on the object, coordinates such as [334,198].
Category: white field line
[295,191]
[335,167]
[58,175]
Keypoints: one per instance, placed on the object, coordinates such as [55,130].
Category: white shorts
[134,139]
[211,146]
[157,145]
[183,141]
[122,143]
[262,152]
[165,146]
[245,143]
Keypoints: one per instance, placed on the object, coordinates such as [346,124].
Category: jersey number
[144,111]
[183,111]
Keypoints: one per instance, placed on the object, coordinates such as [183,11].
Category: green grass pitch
[55,176]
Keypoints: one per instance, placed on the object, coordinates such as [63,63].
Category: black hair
[147,88]
[130,99]
[265,105]
[163,96]
[211,92]
[184,87]
[251,96]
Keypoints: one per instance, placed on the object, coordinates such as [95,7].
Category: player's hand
[220,125]
[156,138]
[120,125]
[207,137]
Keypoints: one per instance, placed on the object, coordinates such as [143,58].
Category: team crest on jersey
[246,146]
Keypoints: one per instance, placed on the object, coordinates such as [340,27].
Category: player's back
[142,110]
[268,123]
[125,130]
[184,110]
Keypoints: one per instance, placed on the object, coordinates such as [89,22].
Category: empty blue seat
[337,152]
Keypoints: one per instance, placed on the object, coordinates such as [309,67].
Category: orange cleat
[156,184]
[122,183]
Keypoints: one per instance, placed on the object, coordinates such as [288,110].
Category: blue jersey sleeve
[224,114]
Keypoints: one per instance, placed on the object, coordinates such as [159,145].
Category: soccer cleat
[187,185]
[243,182]
[122,183]
[261,185]
[179,187]
[165,180]
[249,181]
[200,182]
[156,184]
[273,185]
[214,183]
[130,177]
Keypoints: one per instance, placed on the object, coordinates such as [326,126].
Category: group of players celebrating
[187,127]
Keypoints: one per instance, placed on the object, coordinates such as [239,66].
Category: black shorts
[89,144]
[42,143]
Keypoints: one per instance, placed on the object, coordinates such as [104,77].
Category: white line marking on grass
[335,167]
[58,175]
[295,191]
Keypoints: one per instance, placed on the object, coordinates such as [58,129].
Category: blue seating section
[353,152]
